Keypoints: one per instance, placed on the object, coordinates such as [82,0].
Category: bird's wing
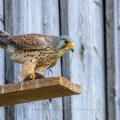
[31,41]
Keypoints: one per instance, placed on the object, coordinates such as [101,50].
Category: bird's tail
[3,32]
[3,39]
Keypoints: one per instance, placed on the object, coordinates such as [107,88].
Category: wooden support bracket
[40,89]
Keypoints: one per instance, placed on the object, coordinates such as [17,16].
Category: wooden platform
[45,88]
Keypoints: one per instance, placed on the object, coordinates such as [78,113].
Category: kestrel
[36,52]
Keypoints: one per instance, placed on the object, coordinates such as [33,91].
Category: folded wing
[30,41]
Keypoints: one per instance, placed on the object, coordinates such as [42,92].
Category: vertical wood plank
[67,115]
[2,75]
[15,23]
[2,58]
[117,58]
[32,16]
[51,26]
[85,18]
[52,110]
[110,59]
[113,58]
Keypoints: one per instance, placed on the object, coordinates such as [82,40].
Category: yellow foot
[32,76]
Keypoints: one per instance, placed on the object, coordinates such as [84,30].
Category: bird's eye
[66,42]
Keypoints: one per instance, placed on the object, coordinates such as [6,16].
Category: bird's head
[64,44]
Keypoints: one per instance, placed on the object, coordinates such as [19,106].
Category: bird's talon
[32,76]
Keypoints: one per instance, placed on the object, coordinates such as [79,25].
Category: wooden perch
[44,88]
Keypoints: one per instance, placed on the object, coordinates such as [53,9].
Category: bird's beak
[71,46]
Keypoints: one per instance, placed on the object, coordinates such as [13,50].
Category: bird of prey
[37,52]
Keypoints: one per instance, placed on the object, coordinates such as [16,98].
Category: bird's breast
[42,57]
[46,59]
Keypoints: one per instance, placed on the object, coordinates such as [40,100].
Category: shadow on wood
[38,89]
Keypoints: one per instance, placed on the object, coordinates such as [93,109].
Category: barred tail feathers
[3,33]
[3,41]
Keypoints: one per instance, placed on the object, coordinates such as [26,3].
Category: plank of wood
[86,63]
[15,23]
[2,58]
[117,58]
[113,58]
[50,20]
[45,88]
[66,59]
[110,59]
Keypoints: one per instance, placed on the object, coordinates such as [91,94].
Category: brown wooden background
[94,25]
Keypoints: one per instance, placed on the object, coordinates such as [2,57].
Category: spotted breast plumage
[35,51]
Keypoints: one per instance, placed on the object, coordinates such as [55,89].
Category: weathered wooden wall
[94,27]
[81,19]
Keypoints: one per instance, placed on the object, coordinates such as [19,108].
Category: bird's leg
[32,76]
[38,75]
[39,71]
[28,69]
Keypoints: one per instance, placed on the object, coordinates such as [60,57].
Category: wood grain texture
[110,46]
[28,91]
[117,58]
[32,16]
[2,58]
[113,58]
[85,17]
[14,24]
[51,110]
[66,59]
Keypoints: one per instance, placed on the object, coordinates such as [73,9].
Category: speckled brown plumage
[31,41]
[36,52]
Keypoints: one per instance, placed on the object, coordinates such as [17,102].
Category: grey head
[63,42]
